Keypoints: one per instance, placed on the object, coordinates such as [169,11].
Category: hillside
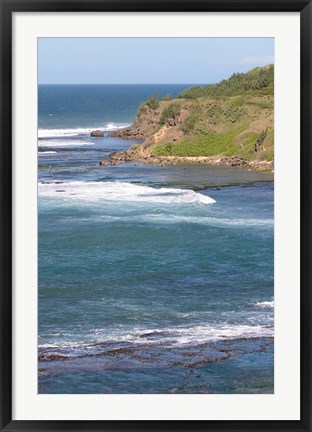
[234,118]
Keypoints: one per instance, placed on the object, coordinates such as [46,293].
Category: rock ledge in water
[97,133]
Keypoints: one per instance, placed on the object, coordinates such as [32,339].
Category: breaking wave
[47,133]
[121,191]
[265,304]
[173,337]
[54,143]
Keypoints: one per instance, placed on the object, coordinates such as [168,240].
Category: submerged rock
[106,162]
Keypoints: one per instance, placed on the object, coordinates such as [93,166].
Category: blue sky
[148,60]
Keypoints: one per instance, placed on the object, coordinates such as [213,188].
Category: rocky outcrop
[143,127]
[147,127]
[139,154]
[97,134]
[128,133]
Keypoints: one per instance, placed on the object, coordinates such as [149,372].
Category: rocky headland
[229,124]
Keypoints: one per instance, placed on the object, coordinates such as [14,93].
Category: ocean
[151,279]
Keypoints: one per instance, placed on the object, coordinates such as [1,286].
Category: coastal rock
[232,161]
[238,162]
[46,357]
[97,133]
[145,335]
[141,154]
[152,334]
[106,162]
[262,165]
[171,122]
[131,132]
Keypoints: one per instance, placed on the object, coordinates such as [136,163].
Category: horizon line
[126,83]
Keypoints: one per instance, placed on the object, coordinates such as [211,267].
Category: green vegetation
[212,144]
[258,80]
[248,140]
[214,112]
[260,139]
[231,118]
[171,111]
[194,92]
[263,103]
[189,124]
[167,97]
[233,114]
[194,119]
[230,143]
[152,102]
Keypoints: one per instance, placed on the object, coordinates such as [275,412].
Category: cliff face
[234,118]
[148,127]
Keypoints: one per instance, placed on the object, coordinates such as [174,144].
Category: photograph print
[156,215]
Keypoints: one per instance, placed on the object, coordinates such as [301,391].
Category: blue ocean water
[94,106]
[151,279]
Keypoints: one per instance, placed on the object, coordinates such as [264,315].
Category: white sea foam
[129,192]
[213,333]
[61,144]
[203,220]
[173,336]
[113,126]
[46,133]
[121,191]
[200,334]
[170,218]
[265,304]
[46,152]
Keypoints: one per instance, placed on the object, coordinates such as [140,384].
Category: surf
[122,191]
[70,132]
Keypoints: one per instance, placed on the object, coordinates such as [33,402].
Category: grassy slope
[232,118]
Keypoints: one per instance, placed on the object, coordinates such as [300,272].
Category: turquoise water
[151,279]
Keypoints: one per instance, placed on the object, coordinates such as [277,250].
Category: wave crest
[265,304]
[172,337]
[122,191]
[69,132]
[65,143]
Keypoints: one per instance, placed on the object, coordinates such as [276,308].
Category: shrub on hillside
[189,123]
[191,93]
[171,111]
[152,102]
[167,97]
[257,79]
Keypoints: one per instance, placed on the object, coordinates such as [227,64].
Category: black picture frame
[8,7]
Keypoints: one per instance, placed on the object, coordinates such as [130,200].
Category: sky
[148,60]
